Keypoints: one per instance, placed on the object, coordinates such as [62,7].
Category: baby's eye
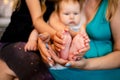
[66,13]
[76,13]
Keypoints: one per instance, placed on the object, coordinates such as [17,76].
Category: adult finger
[56,58]
[77,64]
[44,51]
[58,41]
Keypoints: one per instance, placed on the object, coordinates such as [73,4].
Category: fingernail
[59,49]
[47,46]
[49,58]
[67,64]
[51,65]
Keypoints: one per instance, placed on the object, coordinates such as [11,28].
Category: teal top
[101,44]
[99,33]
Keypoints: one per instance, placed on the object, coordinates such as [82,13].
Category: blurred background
[5,14]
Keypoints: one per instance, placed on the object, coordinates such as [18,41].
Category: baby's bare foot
[77,44]
[67,40]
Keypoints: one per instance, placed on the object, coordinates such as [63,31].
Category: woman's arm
[37,19]
[41,26]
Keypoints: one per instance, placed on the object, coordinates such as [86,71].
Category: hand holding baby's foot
[80,41]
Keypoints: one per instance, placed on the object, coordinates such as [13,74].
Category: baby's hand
[31,46]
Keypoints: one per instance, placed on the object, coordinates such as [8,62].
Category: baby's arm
[31,45]
[55,22]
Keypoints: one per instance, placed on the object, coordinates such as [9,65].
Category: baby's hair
[58,2]
[112,7]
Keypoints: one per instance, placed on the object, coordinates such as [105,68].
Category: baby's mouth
[72,23]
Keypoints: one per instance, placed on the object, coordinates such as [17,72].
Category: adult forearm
[106,62]
[41,26]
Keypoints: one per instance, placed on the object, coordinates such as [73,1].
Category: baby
[69,14]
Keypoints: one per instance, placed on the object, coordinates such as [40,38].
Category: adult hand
[47,52]
[48,55]
[81,64]
[83,50]
[81,53]
[79,46]
[58,40]
[42,41]
[55,57]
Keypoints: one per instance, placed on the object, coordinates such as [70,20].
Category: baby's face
[70,13]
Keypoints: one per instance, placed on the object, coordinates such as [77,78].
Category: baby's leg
[77,44]
[67,39]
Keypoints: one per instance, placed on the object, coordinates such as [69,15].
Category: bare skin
[112,59]
[109,61]
[6,73]
[38,22]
